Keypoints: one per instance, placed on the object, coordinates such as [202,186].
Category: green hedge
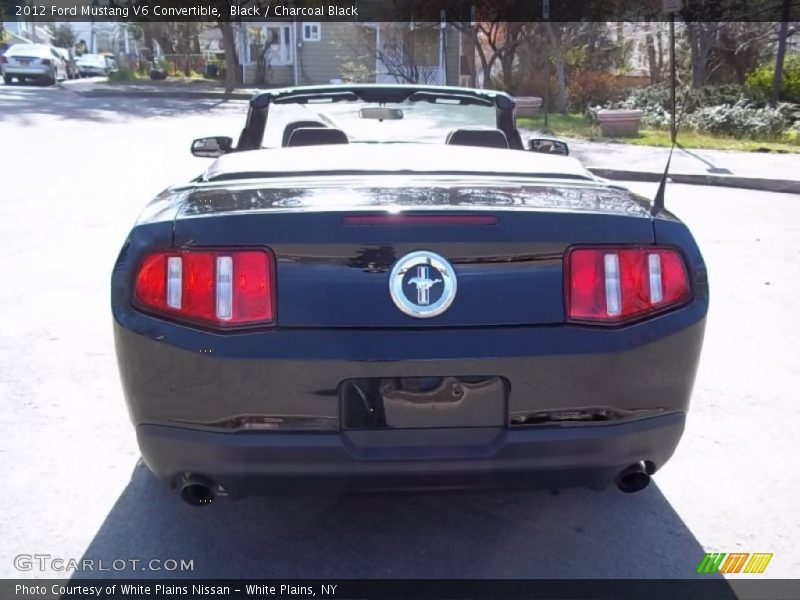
[657,96]
[739,121]
[760,80]
[122,74]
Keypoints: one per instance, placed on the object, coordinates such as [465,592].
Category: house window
[312,32]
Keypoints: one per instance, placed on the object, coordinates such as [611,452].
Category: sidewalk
[750,170]
[184,90]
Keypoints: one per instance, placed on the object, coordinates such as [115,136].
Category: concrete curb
[170,95]
[749,183]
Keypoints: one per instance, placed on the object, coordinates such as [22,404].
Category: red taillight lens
[46,62]
[3,60]
[613,284]
[215,287]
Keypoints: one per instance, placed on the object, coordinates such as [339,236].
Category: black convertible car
[380,286]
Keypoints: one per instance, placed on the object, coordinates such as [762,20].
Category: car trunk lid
[336,245]
[21,60]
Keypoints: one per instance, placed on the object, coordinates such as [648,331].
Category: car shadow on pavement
[500,534]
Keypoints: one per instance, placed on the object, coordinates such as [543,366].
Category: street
[74,174]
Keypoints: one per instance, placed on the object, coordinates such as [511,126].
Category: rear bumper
[40,71]
[290,373]
[547,457]
[182,385]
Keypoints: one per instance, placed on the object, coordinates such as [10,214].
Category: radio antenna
[672,7]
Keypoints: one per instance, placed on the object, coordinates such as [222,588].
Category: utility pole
[442,48]
[31,26]
[672,77]
[91,33]
[546,17]
[672,7]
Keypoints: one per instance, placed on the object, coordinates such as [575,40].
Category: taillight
[3,60]
[46,62]
[617,284]
[221,288]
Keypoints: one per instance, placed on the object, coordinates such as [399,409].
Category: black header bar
[708,588]
[463,11]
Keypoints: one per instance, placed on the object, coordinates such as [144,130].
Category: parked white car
[93,65]
[32,61]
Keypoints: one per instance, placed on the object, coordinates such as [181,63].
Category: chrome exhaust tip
[196,490]
[633,479]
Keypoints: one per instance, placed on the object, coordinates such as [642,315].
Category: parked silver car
[32,61]
[93,65]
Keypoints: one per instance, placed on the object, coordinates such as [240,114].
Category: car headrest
[487,138]
[317,136]
[292,127]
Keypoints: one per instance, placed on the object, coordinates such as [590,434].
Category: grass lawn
[127,76]
[576,126]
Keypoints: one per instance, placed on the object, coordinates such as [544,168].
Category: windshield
[413,122]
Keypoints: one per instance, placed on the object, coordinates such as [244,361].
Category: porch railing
[423,75]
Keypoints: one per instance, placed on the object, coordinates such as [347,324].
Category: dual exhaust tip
[634,478]
[197,490]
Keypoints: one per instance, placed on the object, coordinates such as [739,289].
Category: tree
[652,60]
[700,37]
[739,48]
[6,9]
[262,41]
[188,43]
[64,36]
[563,37]
[723,52]
[231,57]
[406,52]
[162,33]
[174,39]
[783,32]
[496,41]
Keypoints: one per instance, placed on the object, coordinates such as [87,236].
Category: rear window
[420,122]
[25,49]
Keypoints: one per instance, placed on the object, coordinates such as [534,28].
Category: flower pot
[619,122]
[528,106]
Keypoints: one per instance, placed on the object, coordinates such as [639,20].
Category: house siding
[345,52]
[278,76]
[334,56]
